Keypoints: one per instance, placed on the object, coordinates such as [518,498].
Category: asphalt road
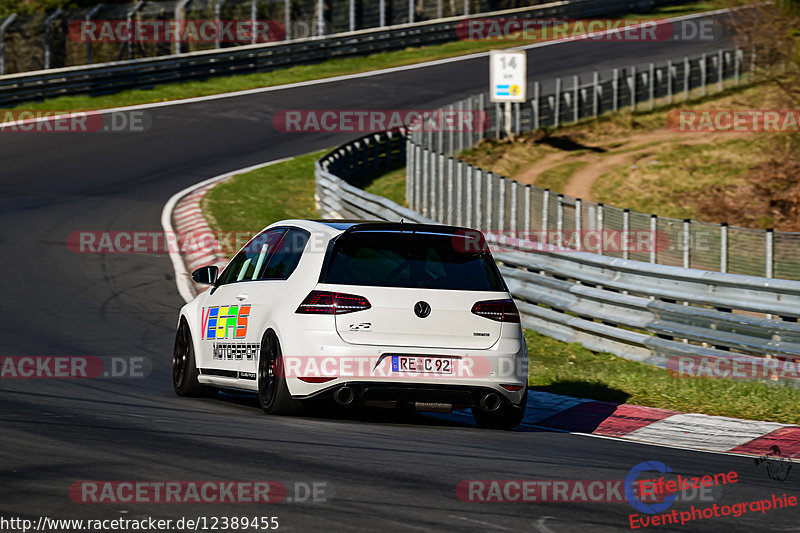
[389,472]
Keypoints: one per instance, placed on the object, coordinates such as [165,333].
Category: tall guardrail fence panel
[41,56]
[450,191]
[694,322]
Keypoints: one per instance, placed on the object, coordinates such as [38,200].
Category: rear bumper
[459,396]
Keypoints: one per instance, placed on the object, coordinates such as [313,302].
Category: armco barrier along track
[637,310]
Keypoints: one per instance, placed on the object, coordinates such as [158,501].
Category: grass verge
[573,370]
[324,69]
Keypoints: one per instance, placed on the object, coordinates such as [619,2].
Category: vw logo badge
[422,309]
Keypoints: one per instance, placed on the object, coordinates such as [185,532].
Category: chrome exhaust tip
[344,395]
[490,402]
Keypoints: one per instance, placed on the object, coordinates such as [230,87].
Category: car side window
[286,256]
[251,259]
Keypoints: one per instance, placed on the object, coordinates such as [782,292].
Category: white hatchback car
[353,312]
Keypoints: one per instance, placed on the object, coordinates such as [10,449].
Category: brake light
[332,303]
[512,388]
[315,379]
[499,310]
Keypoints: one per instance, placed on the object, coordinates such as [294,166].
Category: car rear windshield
[412,260]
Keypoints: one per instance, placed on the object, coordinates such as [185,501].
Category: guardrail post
[459,132]
[769,258]
[652,80]
[686,68]
[483,126]
[253,17]
[47,33]
[449,208]
[498,122]
[752,65]
[488,219]
[626,230]
[578,224]
[320,18]
[686,242]
[179,7]
[459,200]
[469,192]
[433,184]
[513,215]
[217,20]
[703,74]
[423,189]
[477,197]
[632,86]
[287,19]
[560,220]
[410,11]
[601,241]
[576,99]
[450,140]
[615,91]
[545,209]
[526,221]
[723,247]
[653,237]
[595,92]
[411,167]
[736,53]
[535,105]
[440,188]
[720,69]
[382,13]
[669,81]
[501,205]
[6,23]
[89,16]
[352,15]
[129,19]
[557,107]
[439,10]
[517,125]
[466,7]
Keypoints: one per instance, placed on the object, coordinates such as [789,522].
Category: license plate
[422,364]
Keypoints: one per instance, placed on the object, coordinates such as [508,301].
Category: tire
[507,416]
[184,366]
[273,394]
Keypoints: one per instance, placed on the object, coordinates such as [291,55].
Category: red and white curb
[182,216]
[661,426]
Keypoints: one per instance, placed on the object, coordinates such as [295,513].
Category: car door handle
[241,297]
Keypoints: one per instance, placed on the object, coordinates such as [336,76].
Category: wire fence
[450,191]
[63,37]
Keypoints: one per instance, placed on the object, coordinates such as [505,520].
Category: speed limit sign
[507,76]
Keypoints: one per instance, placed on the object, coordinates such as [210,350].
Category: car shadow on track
[461,418]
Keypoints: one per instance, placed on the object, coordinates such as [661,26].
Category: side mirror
[206,275]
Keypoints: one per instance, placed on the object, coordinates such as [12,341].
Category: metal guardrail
[446,189]
[103,78]
[640,311]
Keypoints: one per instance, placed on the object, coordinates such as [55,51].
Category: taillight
[332,303]
[499,310]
